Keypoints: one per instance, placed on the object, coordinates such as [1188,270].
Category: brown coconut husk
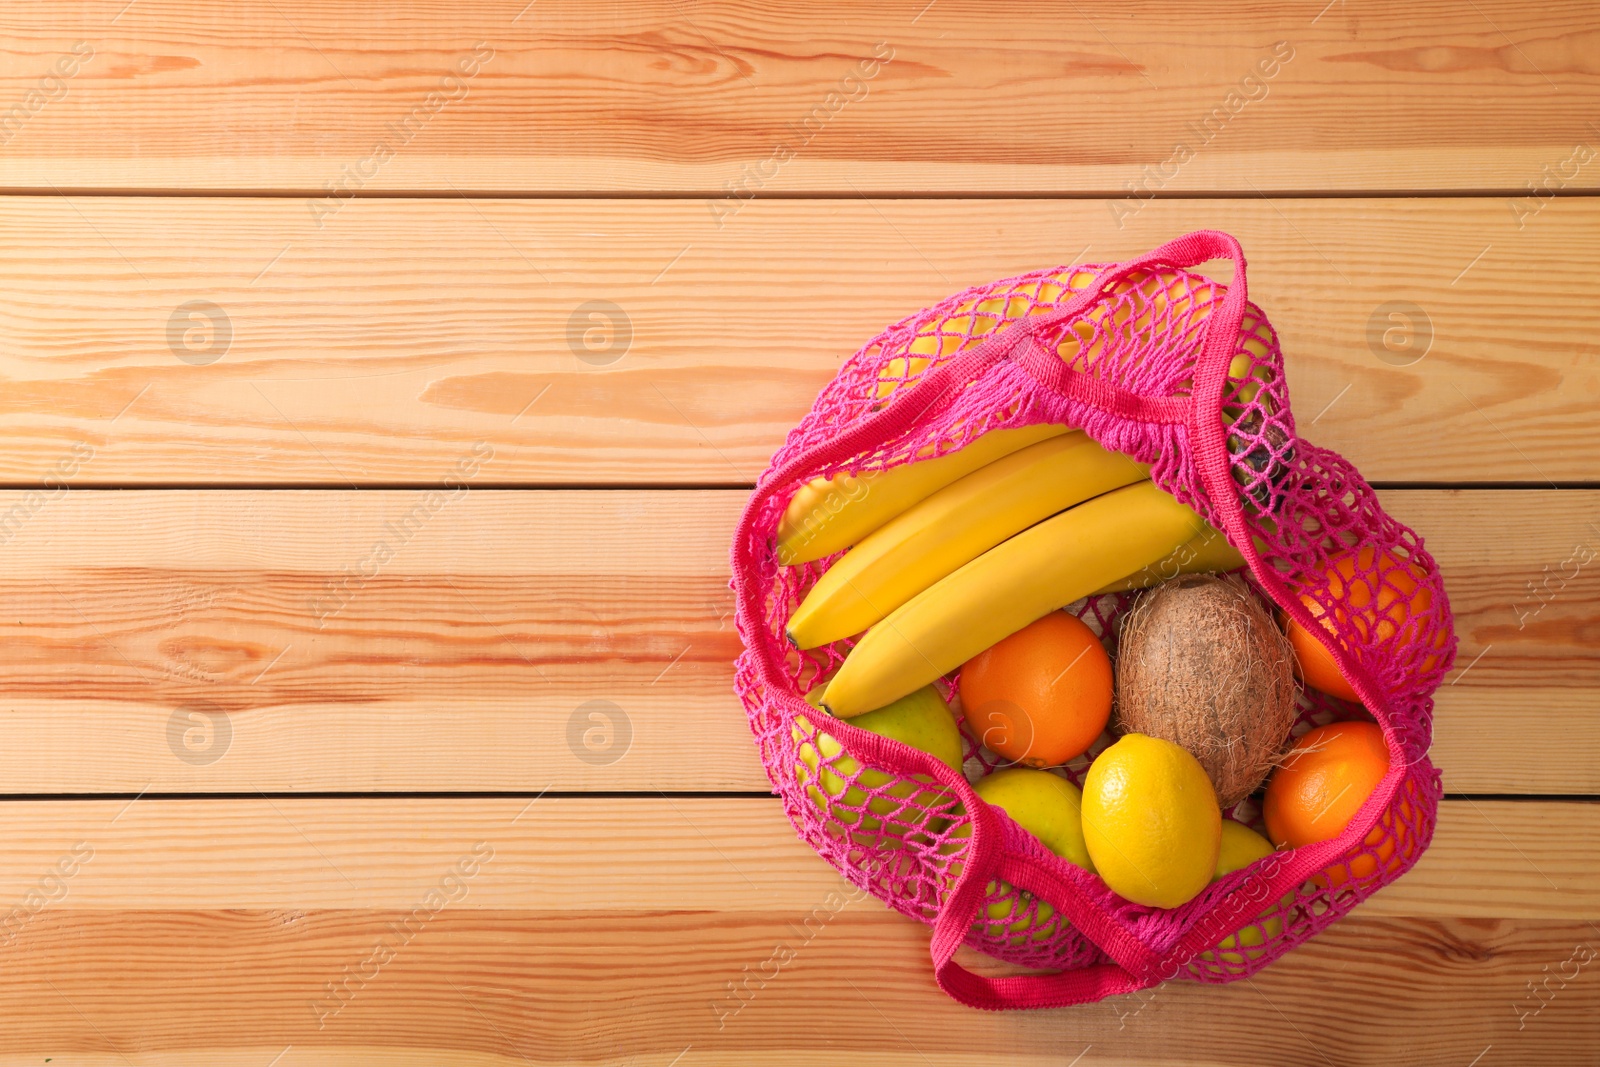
[1202,664]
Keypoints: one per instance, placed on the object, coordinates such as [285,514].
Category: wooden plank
[210,641]
[406,338]
[571,854]
[501,988]
[1520,568]
[609,930]
[486,636]
[295,95]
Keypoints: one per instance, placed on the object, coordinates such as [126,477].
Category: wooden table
[382,383]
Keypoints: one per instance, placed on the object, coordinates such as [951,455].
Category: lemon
[836,783]
[1046,805]
[1151,821]
[1242,846]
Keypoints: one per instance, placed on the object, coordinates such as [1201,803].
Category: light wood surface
[139,617]
[489,987]
[261,295]
[559,853]
[389,345]
[1065,96]
[575,926]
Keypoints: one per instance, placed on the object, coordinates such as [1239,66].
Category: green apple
[1050,808]
[1046,805]
[1041,925]
[836,783]
[1242,846]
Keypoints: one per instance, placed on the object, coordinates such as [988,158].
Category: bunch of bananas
[981,553]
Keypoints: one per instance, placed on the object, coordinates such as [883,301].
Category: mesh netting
[1146,358]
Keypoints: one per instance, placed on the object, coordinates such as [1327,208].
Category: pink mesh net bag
[1182,373]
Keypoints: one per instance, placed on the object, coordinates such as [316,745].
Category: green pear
[836,783]
[1241,846]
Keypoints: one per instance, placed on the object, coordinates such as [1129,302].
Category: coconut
[1202,664]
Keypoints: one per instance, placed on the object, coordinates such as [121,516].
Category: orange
[1377,595]
[1389,843]
[1313,662]
[1323,781]
[1042,695]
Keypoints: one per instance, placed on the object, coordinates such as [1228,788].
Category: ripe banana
[952,527]
[830,514]
[1207,553]
[1006,588]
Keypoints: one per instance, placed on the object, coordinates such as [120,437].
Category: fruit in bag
[838,785]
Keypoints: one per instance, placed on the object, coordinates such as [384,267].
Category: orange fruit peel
[1041,696]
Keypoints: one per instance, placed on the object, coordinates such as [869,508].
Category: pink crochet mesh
[1180,372]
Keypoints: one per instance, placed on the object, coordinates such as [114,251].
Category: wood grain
[763,98]
[1525,602]
[608,931]
[388,346]
[487,987]
[360,285]
[202,641]
[574,854]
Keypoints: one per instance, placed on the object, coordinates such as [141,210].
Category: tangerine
[1042,695]
[1323,781]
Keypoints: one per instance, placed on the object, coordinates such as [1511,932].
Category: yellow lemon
[1242,846]
[1151,821]
[836,783]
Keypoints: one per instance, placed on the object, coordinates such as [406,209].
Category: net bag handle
[1020,343]
[1134,966]
[987,859]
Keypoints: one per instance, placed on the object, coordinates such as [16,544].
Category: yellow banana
[1207,553]
[952,527]
[1003,590]
[830,514]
